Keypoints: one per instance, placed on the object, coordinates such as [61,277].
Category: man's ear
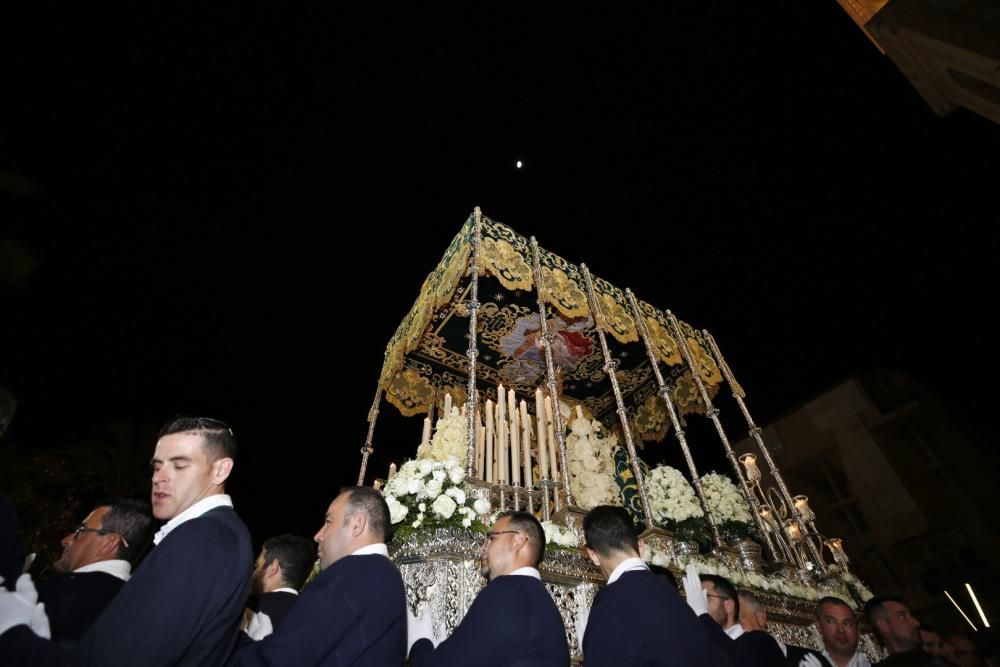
[642,549]
[274,568]
[594,558]
[109,545]
[359,523]
[221,470]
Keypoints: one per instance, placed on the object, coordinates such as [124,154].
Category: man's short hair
[829,599]
[366,499]
[528,524]
[608,529]
[724,589]
[218,438]
[752,604]
[296,555]
[875,608]
[133,520]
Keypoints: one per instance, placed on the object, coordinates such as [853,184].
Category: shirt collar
[120,569]
[527,572]
[378,549]
[626,565]
[858,660]
[286,589]
[193,512]
[735,631]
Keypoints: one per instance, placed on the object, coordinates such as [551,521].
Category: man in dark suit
[717,605]
[95,563]
[664,632]
[354,611]
[754,617]
[513,620]
[183,606]
[282,567]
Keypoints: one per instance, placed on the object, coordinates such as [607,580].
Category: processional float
[506,342]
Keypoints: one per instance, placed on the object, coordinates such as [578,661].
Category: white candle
[501,435]
[540,430]
[490,466]
[377,485]
[526,443]
[515,449]
[551,426]
[480,452]
[392,470]
[447,405]
[426,436]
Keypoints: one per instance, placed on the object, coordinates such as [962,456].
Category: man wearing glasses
[96,562]
[183,606]
[513,620]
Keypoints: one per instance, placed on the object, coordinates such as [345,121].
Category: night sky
[231,208]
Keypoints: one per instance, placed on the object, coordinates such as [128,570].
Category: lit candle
[792,528]
[837,549]
[377,485]
[749,462]
[392,470]
[802,507]
[540,430]
[768,518]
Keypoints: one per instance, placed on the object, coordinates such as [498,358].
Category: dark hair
[133,520]
[607,529]
[724,589]
[366,499]
[829,599]
[875,608]
[294,554]
[665,574]
[219,441]
[528,524]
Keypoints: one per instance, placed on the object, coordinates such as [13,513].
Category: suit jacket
[74,600]
[640,620]
[275,604]
[353,613]
[796,653]
[751,649]
[181,607]
[512,622]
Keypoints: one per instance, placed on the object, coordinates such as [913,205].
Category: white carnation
[482,506]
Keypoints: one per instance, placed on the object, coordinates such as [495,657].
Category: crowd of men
[200,598]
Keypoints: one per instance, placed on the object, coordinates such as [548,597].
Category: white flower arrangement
[590,456]
[728,506]
[674,504]
[560,536]
[426,494]
[449,439]
[741,579]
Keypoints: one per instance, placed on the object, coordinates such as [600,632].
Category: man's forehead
[503,523]
[188,444]
[837,610]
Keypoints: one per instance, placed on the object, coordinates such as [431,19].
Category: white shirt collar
[193,512]
[859,659]
[626,565]
[120,569]
[285,589]
[782,645]
[735,631]
[378,549]
[527,572]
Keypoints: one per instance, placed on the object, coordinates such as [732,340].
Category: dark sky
[235,206]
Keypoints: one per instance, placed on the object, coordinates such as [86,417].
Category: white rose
[457,474]
[457,493]
[433,489]
[482,506]
[397,510]
[415,486]
[426,466]
[440,475]
[444,507]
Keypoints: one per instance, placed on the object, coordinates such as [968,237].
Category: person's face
[931,642]
[340,532]
[257,577]
[963,652]
[182,474]
[497,555]
[839,628]
[86,547]
[718,608]
[900,627]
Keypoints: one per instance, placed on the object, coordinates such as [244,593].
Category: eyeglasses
[100,531]
[490,536]
[713,595]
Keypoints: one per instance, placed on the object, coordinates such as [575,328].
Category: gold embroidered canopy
[427,355]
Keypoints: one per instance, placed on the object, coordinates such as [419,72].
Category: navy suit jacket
[513,621]
[181,607]
[74,600]
[275,604]
[751,649]
[353,613]
[640,620]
